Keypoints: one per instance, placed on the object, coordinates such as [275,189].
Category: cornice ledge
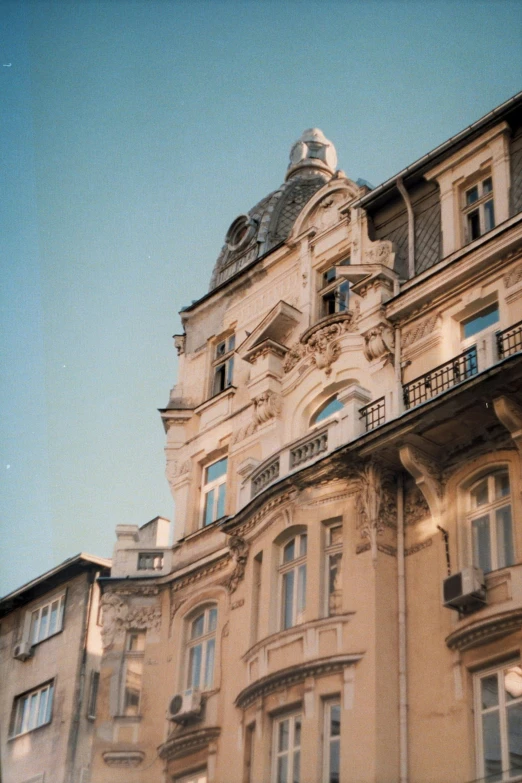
[123,758]
[292,675]
[485,630]
[183,745]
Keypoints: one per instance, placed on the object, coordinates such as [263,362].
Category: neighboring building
[50,649]
[345,433]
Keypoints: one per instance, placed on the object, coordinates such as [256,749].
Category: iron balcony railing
[509,341]
[426,386]
[374,414]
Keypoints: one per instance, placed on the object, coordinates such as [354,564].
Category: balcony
[441,378]
[374,414]
[509,341]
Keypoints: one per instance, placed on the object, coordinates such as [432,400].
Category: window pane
[301,591]
[473,225]
[53,623]
[487,186]
[481,543]
[501,485]
[342,296]
[491,742]
[479,495]
[335,535]
[489,215]
[230,371]
[515,737]
[231,342]
[44,623]
[472,195]
[330,408]
[334,771]
[212,619]
[136,641]
[489,691]
[208,515]
[329,276]
[31,722]
[296,776]
[216,470]
[303,544]
[289,551]
[282,743]
[42,708]
[194,677]
[209,665]
[282,769]
[22,707]
[221,349]
[49,702]
[505,551]
[335,720]
[481,321]
[334,583]
[512,683]
[297,733]
[219,378]
[34,627]
[197,626]
[222,490]
[288,599]
[133,674]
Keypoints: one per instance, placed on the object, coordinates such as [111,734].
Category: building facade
[343,598]
[50,650]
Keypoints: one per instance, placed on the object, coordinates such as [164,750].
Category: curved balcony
[501,616]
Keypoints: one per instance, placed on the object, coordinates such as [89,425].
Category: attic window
[240,232]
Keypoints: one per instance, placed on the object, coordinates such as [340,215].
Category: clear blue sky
[133,133]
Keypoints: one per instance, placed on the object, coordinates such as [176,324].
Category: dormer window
[479,209]
[223,364]
[333,293]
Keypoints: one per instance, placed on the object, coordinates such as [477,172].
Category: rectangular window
[47,620]
[256,595]
[293,581]
[223,364]
[498,715]
[150,561]
[332,741]
[479,209]
[31,710]
[480,321]
[333,293]
[214,491]
[491,522]
[133,672]
[93,695]
[333,568]
[250,739]
[287,750]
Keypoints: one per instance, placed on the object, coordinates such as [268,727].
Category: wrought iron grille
[374,414]
[265,476]
[440,378]
[309,449]
[509,341]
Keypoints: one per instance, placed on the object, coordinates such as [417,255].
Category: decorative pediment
[271,333]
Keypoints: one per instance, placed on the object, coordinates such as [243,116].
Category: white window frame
[133,659]
[329,283]
[27,708]
[293,751]
[154,558]
[330,739]
[296,571]
[332,550]
[513,669]
[490,509]
[484,197]
[206,643]
[214,485]
[39,619]
[223,364]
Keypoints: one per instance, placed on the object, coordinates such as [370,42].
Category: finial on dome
[312,151]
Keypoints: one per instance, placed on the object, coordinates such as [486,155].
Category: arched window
[326,410]
[201,646]
[292,572]
[489,515]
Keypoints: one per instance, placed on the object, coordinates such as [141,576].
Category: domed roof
[312,164]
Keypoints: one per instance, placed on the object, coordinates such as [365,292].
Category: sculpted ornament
[266,406]
[239,551]
[118,616]
[374,514]
[415,506]
[513,277]
[381,252]
[379,343]
[320,344]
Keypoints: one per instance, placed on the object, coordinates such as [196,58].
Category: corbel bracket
[509,414]
[426,472]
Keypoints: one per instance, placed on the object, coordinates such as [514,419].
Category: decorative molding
[386,549]
[178,468]
[427,474]
[185,744]
[239,552]
[379,343]
[327,500]
[137,589]
[509,414]
[118,616]
[412,550]
[243,432]
[271,505]
[123,758]
[421,329]
[319,343]
[513,277]
[266,406]
[415,506]
[179,343]
[199,574]
[485,630]
[375,505]
[284,678]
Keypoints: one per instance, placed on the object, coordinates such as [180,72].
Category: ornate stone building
[345,435]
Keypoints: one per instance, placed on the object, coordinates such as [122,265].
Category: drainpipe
[403,671]
[411,228]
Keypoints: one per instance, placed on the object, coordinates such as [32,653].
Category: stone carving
[513,277]
[119,616]
[179,468]
[198,574]
[326,214]
[369,505]
[123,758]
[427,475]
[381,252]
[420,330]
[415,506]
[412,550]
[239,551]
[379,343]
[320,343]
[266,406]
[244,432]
[179,343]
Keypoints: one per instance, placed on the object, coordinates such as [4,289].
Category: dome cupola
[312,151]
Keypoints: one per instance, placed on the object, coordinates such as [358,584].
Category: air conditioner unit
[23,651]
[186,706]
[466,590]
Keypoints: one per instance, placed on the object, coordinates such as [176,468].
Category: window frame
[222,375]
[332,550]
[333,285]
[136,658]
[297,566]
[207,638]
[207,487]
[329,739]
[92,701]
[477,206]
[501,708]
[293,749]
[58,598]
[18,714]
[489,510]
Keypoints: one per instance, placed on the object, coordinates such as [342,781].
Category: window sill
[128,718]
[228,392]
[30,731]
